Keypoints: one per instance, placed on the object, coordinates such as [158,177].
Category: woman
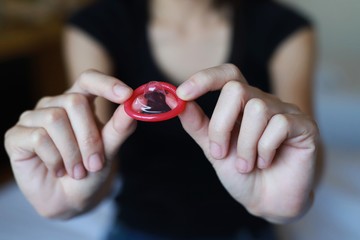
[245,69]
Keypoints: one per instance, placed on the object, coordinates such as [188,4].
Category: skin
[263,147]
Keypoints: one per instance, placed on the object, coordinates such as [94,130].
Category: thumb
[116,131]
[196,124]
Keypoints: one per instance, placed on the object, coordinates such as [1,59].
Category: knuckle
[201,77]
[294,108]
[202,80]
[8,139]
[316,137]
[312,128]
[92,140]
[86,74]
[85,77]
[256,106]
[281,119]
[55,115]
[236,87]
[8,134]
[43,102]
[39,136]
[237,91]
[75,100]
[24,115]
[235,71]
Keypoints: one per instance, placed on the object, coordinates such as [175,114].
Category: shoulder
[271,12]
[269,24]
[101,14]
[108,21]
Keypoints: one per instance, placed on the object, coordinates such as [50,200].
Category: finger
[24,143]
[196,123]
[255,118]
[257,113]
[116,131]
[224,117]
[56,123]
[94,83]
[84,126]
[210,79]
[295,130]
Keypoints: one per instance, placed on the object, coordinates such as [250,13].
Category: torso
[179,52]
[165,189]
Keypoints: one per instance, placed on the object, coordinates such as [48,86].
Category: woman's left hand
[262,149]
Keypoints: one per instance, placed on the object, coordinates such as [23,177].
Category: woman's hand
[262,149]
[60,154]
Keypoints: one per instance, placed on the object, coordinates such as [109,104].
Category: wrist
[281,214]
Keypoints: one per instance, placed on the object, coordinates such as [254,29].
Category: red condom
[154,102]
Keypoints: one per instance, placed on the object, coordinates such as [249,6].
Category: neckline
[233,49]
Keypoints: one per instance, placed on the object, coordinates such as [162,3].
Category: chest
[180,53]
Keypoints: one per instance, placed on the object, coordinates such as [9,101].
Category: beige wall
[335,214]
[338,24]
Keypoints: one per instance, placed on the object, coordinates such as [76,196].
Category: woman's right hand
[60,154]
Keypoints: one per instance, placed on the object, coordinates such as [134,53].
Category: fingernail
[185,90]
[60,173]
[95,163]
[216,150]
[242,166]
[121,90]
[79,171]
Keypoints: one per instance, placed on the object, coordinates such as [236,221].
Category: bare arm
[81,53]
[292,71]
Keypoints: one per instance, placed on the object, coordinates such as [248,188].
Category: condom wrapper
[154,102]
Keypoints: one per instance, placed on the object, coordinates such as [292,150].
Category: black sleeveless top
[168,186]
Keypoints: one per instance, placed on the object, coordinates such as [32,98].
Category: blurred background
[31,66]
[31,63]
[336,211]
